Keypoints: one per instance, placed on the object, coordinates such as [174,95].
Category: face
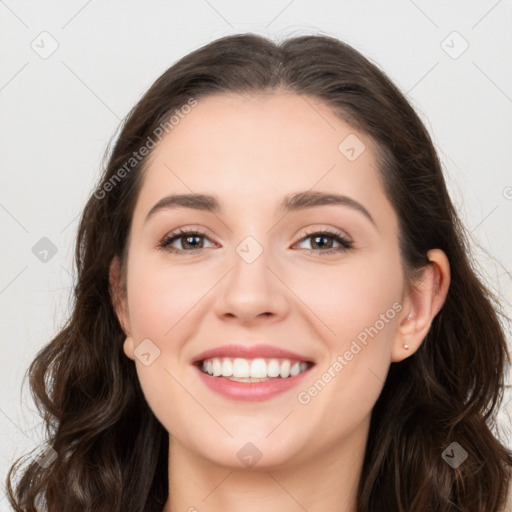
[321,279]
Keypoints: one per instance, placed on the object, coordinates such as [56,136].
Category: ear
[422,302]
[119,301]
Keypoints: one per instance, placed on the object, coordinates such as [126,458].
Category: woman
[275,309]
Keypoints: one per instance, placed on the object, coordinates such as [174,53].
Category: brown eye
[190,241]
[323,242]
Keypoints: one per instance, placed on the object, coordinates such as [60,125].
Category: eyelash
[346,244]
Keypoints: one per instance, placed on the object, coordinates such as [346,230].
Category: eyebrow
[291,203]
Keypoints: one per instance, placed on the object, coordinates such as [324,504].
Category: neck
[327,483]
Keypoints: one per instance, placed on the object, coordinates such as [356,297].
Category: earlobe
[407,340]
[422,302]
[128,347]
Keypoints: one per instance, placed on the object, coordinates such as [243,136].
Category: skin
[251,151]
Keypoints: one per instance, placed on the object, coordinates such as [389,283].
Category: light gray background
[59,112]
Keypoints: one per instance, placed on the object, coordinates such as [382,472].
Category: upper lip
[250,352]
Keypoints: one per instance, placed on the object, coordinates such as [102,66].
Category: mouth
[251,380]
[254,370]
[251,372]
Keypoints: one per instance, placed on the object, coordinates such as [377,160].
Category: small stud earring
[406,347]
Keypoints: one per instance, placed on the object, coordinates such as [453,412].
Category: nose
[252,292]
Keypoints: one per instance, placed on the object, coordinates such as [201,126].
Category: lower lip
[250,391]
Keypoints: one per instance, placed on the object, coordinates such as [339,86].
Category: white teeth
[227,368]
[252,370]
[273,368]
[285,369]
[217,367]
[295,369]
[258,368]
[240,367]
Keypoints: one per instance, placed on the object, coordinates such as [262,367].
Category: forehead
[255,149]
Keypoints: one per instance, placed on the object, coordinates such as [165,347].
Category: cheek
[353,297]
[360,305]
[160,296]
[165,304]
[162,300]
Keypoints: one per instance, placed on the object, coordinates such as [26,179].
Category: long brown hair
[112,451]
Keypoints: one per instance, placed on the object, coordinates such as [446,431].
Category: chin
[254,453]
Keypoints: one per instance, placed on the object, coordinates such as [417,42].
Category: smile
[253,370]
[278,376]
